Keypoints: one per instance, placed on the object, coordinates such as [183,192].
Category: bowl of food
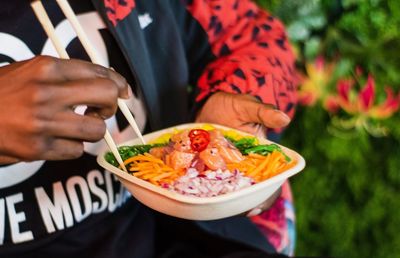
[202,171]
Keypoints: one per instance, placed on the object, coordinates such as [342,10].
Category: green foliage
[369,33]
[347,198]
[365,31]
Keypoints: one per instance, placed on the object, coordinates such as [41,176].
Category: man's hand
[246,113]
[37,100]
[242,112]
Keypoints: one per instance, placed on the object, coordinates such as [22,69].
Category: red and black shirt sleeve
[221,45]
[251,53]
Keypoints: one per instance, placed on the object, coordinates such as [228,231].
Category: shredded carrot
[152,169]
[261,167]
[146,157]
[257,156]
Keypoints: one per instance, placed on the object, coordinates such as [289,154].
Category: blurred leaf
[315,21]
[311,49]
[298,31]
[349,3]
[344,67]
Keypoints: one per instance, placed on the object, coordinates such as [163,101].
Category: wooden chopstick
[44,20]
[96,59]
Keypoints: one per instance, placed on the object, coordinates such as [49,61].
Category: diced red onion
[211,183]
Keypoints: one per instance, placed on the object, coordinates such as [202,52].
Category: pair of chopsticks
[47,25]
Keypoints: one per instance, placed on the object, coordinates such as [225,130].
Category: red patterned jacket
[213,45]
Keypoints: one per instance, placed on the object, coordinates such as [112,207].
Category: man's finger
[266,204]
[89,70]
[255,112]
[63,149]
[99,93]
[7,160]
[55,69]
[273,118]
[78,127]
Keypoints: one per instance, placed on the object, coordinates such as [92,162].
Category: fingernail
[254,212]
[127,94]
[284,119]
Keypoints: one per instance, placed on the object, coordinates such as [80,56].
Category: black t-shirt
[69,208]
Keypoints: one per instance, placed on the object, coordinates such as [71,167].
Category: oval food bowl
[201,208]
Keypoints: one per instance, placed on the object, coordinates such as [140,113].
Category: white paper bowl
[200,208]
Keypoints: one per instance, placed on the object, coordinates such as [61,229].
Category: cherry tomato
[199,139]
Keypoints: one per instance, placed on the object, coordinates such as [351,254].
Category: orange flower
[363,102]
[345,97]
[314,84]
[387,108]
[366,96]
[332,104]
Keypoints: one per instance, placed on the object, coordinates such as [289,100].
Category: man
[54,204]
